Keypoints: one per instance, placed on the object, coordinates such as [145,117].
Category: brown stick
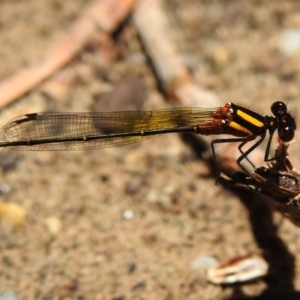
[153,27]
[174,76]
[104,14]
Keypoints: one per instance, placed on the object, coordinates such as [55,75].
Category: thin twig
[104,14]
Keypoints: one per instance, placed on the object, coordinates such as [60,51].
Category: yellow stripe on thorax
[249,119]
[240,128]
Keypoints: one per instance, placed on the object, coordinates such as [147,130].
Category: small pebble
[290,41]
[53,224]
[8,161]
[133,185]
[9,295]
[128,214]
[221,56]
[13,213]
[4,189]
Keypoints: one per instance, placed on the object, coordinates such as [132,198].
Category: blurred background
[130,222]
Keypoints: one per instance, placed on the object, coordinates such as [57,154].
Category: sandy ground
[179,213]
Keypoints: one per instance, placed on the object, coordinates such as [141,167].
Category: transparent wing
[83,131]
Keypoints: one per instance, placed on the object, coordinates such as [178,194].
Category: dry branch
[152,25]
[104,14]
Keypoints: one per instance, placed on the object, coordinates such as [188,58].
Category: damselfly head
[286,123]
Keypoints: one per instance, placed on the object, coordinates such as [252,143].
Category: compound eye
[278,108]
[286,134]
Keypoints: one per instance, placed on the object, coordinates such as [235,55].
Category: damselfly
[78,131]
